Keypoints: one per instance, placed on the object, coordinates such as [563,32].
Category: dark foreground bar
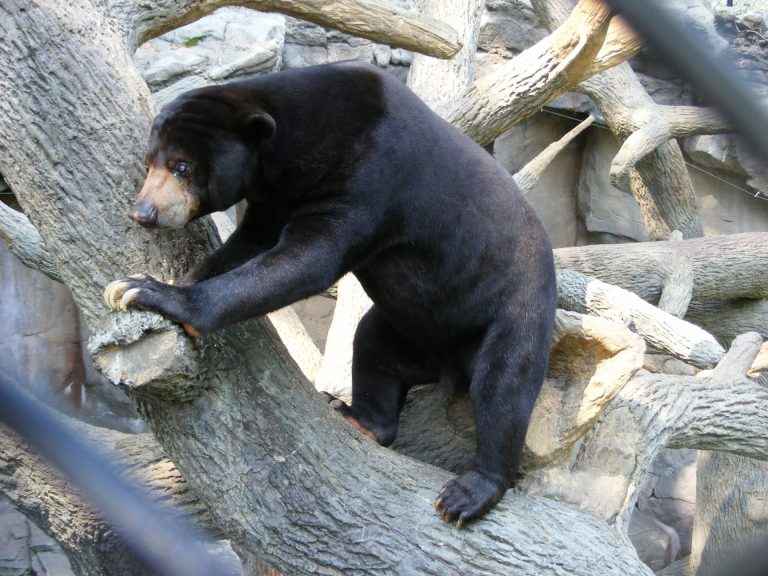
[166,545]
[713,77]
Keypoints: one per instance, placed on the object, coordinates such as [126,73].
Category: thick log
[724,267]
[520,87]
[378,21]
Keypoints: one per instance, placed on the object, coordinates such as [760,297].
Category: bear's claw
[468,497]
[113,294]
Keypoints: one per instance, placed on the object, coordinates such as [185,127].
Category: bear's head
[202,157]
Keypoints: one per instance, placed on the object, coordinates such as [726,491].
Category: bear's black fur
[345,169]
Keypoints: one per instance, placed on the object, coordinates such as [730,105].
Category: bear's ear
[260,126]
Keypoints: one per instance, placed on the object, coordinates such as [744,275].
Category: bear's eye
[181,169]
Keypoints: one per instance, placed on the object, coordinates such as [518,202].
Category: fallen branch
[371,19]
[664,332]
[530,174]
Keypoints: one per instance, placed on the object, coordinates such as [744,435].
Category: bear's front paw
[120,294]
[143,292]
[468,497]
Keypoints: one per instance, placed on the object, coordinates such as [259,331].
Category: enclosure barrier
[168,546]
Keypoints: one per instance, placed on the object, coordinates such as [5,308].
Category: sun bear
[344,169]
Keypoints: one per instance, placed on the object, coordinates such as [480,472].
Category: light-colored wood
[530,174]
[663,331]
[518,88]
[371,19]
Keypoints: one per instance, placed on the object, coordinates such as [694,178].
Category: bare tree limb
[727,395]
[620,41]
[724,268]
[516,89]
[530,174]
[371,19]
[687,121]
[663,331]
[677,292]
[25,242]
[656,125]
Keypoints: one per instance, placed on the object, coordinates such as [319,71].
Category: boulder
[230,43]
[602,207]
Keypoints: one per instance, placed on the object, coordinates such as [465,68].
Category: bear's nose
[144,213]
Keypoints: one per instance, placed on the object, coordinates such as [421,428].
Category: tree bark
[724,268]
[25,242]
[518,88]
[731,511]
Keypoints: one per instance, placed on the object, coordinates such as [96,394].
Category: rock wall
[40,341]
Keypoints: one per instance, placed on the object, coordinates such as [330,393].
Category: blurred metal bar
[712,76]
[166,545]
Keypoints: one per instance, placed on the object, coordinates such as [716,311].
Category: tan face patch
[175,204]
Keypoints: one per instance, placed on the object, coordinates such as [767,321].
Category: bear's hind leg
[507,374]
[384,367]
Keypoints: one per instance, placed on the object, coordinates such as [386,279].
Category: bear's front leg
[143,292]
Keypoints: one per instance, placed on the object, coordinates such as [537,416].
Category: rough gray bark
[731,510]
[726,320]
[518,88]
[441,83]
[25,242]
[658,125]
[724,268]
